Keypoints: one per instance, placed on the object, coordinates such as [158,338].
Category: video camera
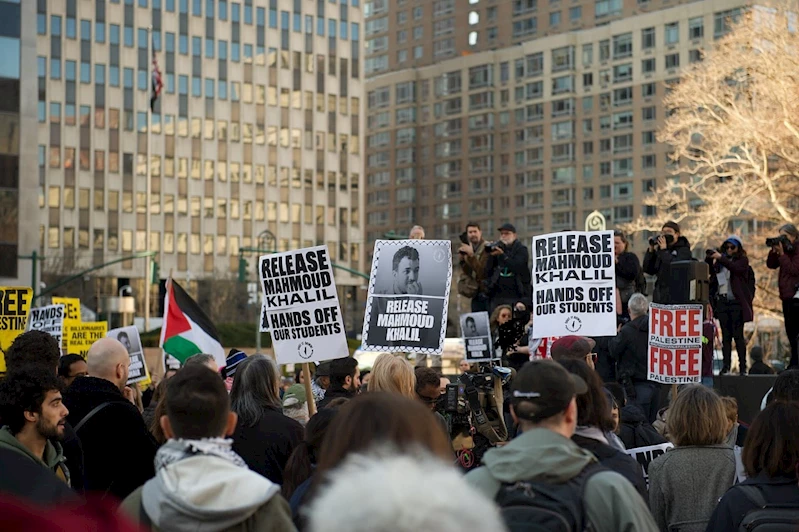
[512,331]
[787,245]
[653,240]
[491,246]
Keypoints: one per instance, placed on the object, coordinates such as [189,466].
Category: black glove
[629,389]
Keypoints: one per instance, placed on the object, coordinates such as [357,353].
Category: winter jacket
[334,393]
[738,267]
[473,267]
[267,445]
[627,270]
[118,449]
[735,504]
[635,430]
[629,348]
[605,363]
[686,483]
[209,494]
[658,263]
[788,278]
[507,276]
[53,458]
[29,481]
[760,368]
[615,460]
[611,503]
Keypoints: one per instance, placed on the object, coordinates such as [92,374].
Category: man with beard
[507,273]
[345,380]
[34,418]
[405,269]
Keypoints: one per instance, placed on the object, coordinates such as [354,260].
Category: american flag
[157,83]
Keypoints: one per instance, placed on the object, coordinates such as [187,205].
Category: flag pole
[147,221]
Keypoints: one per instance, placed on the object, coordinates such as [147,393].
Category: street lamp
[125,289]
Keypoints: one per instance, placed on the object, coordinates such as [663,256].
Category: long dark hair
[255,389]
[302,461]
[593,409]
[772,442]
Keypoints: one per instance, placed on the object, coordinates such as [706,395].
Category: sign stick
[306,373]
[673,393]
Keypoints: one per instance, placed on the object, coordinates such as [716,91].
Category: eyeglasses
[730,246]
[592,356]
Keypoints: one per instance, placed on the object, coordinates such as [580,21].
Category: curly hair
[33,349]
[25,391]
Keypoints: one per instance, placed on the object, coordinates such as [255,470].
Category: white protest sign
[406,306]
[476,334]
[675,344]
[129,337]
[645,455]
[574,284]
[49,319]
[300,306]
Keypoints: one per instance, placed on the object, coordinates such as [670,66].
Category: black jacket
[635,430]
[629,348]
[73,452]
[500,284]
[758,368]
[24,478]
[267,445]
[334,393]
[735,504]
[615,460]
[605,363]
[658,263]
[118,450]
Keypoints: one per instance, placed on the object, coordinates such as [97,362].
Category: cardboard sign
[49,319]
[15,301]
[406,306]
[80,337]
[675,344]
[574,284]
[300,306]
[477,336]
[645,455]
[129,337]
[71,317]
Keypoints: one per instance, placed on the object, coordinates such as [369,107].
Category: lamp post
[125,289]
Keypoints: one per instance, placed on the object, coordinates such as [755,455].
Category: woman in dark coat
[628,272]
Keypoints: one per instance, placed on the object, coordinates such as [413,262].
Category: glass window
[647,38]
[9,58]
[696,28]
[671,34]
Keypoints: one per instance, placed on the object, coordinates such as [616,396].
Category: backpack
[751,285]
[767,517]
[530,506]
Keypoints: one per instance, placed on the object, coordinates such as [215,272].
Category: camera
[709,252]
[653,240]
[787,245]
[512,331]
[464,238]
[494,245]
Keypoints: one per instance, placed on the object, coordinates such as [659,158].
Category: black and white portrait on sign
[129,337]
[408,294]
[476,336]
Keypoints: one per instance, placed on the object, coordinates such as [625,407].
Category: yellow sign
[15,303]
[71,318]
[80,337]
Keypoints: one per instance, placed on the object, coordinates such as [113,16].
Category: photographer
[667,247]
[507,273]
[731,297]
[473,263]
[783,255]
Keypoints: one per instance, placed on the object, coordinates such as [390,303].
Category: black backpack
[767,517]
[751,284]
[530,506]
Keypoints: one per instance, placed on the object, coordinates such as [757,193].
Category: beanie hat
[234,358]
[732,239]
[673,225]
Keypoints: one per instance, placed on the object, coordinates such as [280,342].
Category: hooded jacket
[611,502]
[629,348]
[210,494]
[658,263]
[635,430]
[53,458]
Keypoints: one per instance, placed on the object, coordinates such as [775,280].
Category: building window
[622,46]
[648,38]
[575,13]
[671,35]
[696,28]
[648,65]
[672,60]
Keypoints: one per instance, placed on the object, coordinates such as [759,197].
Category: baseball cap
[542,389]
[507,227]
[572,347]
[294,396]
[323,369]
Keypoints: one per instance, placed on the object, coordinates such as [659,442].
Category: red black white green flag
[186,330]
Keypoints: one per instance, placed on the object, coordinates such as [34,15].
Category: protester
[729,290]
[385,483]
[594,426]
[33,418]
[634,429]
[758,366]
[264,437]
[149,412]
[736,435]
[321,382]
[786,388]
[344,380]
[543,397]
[605,363]
[202,359]
[200,482]
[393,374]
[628,272]
[501,315]
[70,367]
[473,263]
[118,448]
[417,233]
[507,272]
[234,358]
[574,347]
[37,349]
[771,458]
[784,256]
[630,349]
[428,387]
[442,384]
[27,481]
[686,482]
[708,345]
[669,247]
[295,404]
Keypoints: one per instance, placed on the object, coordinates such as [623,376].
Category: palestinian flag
[186,330]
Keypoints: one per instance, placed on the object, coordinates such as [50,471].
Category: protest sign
[645,455]
[129,337]
[81,336]
[675,344]
[406,306]
[15,301]
[574,284]
[300,306]
[71,317]
[49,319]
[477,336]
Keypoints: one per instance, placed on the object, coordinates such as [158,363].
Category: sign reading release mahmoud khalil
[300,306]
[574,284]
[406,307]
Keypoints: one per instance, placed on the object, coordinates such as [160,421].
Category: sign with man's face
[477,336]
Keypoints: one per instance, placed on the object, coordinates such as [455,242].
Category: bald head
[108,359]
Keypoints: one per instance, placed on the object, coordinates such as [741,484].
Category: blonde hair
[393,374]
[697,417]
[730,408]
